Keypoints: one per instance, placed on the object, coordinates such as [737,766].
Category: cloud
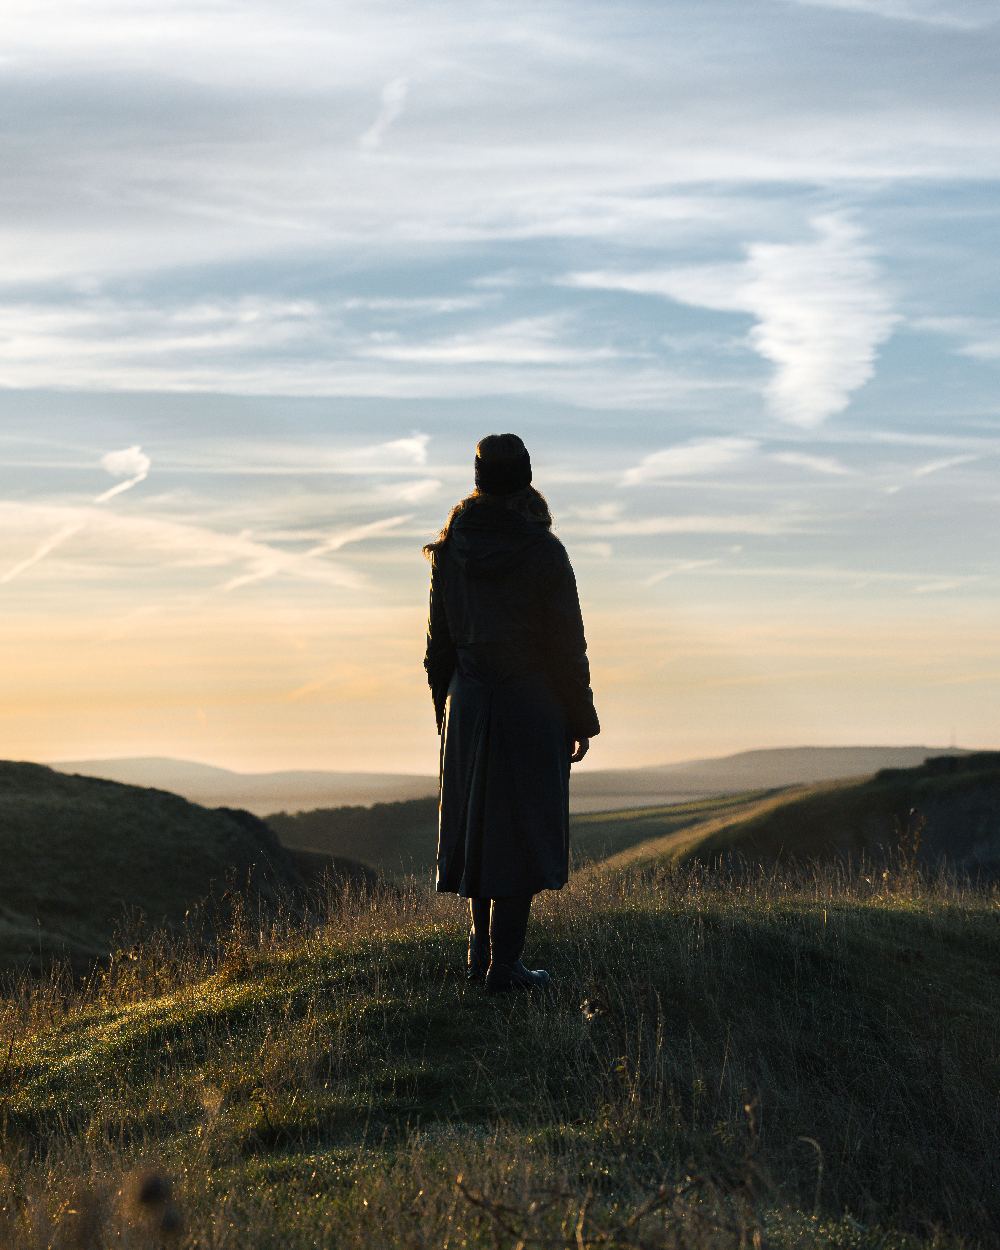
[48,545]
[133,541]
[694,523]
[526,341]
[686,459]
[958,15]
[394,454]
[947,462]
[820,310]
[131,463]
[805,460]
[275,561]
[980,335]
[412,492]
[679,566]
[393,98]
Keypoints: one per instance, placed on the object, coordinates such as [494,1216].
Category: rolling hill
[80,855]
[593,789]
[957,798]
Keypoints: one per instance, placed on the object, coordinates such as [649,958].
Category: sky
[729,267]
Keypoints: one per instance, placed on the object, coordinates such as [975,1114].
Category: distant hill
[401,838]
[79,853]
[957,797]
[393,838]
[756,770]
[291,790]
[593,789]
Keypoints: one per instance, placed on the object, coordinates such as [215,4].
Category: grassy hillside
[401,838]
[725,1062]
[955,803]
[394,838]
[80,856]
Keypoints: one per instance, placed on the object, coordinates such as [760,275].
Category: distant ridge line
[593,789]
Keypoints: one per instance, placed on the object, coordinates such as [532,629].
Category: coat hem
[462,892]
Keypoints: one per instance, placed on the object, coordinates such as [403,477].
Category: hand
[580,748]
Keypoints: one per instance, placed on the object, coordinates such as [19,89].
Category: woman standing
[507,664]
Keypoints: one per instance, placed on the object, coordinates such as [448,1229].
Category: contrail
[130,462]
[50,544]
[283,562]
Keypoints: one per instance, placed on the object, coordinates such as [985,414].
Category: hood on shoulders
[490,539]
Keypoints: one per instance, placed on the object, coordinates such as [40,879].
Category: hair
[527,501]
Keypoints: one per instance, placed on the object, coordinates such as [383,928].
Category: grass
[728,1060]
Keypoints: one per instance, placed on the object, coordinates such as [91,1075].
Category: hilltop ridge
[83,855]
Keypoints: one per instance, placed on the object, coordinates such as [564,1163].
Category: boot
[508,928]
[479,939]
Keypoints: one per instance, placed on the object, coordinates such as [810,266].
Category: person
[506,661]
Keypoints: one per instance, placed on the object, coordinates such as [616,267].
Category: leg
[479,939]
[508,928]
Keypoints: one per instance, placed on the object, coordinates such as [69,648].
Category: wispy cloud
[955,14]
[691,523]
[678,567]
[946,462]
[979,337]
[821,312]
[806,460]
[686,459]
[394,95]
[131,463]
[526,341]
[275,561]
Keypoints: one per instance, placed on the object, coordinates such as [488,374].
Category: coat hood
[490,540]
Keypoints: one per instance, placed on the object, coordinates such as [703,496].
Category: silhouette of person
[507,665]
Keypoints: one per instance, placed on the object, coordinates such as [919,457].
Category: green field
[725,1062]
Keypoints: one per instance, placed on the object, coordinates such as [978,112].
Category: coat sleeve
[567,649]
[439,655]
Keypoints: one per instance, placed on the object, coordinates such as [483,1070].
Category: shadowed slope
[80,854]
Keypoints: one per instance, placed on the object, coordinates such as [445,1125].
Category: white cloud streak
[275,561]
[961,15]
[678,567]
[827,465]
[130,461]
[393,98]
[687,459]
[820,308]
[691,523]
[526,341]
[946,462]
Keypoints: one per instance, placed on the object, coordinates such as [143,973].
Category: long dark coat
[507,664]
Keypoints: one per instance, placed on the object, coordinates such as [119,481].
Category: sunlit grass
[807,1060]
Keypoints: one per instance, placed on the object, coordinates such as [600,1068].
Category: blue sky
[271,270]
